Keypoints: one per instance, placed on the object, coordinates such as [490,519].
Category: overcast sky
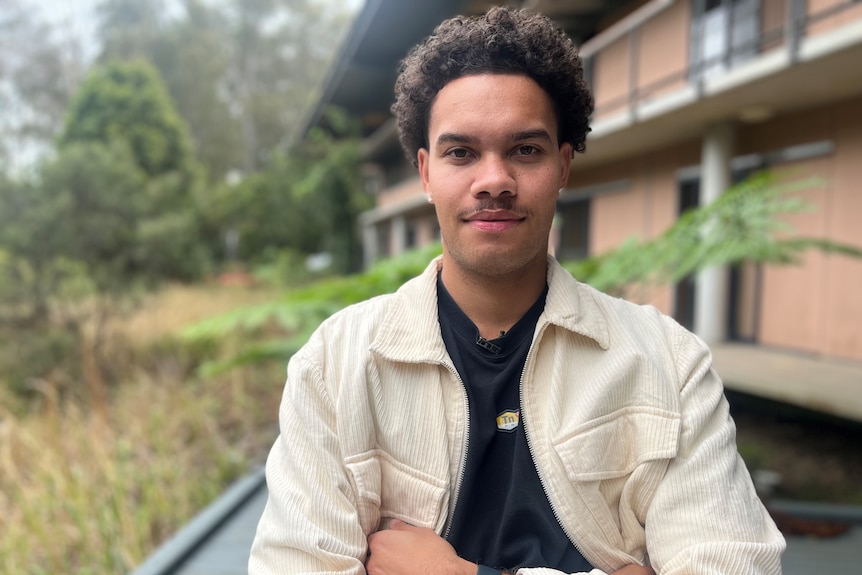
[60,9]
[77,16]
[80,17]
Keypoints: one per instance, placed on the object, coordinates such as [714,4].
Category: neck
[495,304]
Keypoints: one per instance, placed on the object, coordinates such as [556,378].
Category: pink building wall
[815,307]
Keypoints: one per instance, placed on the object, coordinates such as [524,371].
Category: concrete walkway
[226,551]
[828,385]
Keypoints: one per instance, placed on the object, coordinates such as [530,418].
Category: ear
[422,158]
[565,163]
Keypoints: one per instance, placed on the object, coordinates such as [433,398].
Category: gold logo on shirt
[508,420]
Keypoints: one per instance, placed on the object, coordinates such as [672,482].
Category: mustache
[505,204]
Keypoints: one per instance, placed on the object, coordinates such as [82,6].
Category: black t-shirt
[502,518]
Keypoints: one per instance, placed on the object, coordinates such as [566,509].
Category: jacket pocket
[616,444]
[387,488]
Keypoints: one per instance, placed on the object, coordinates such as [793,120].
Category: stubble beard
[490,264]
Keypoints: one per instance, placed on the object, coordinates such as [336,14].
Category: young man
[494,414]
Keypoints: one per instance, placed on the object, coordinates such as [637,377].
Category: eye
[527,150]
[458,153]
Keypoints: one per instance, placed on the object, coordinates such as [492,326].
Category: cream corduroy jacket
[626,421]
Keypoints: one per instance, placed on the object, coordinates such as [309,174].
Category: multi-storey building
[691,95]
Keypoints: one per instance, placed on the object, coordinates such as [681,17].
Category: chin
[499,264]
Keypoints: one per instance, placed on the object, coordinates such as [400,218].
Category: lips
[494,220]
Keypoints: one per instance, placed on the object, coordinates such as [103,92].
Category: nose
[494,177]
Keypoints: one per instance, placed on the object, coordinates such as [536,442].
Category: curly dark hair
[503,41]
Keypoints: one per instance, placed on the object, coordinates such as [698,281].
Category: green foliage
[276,330]
[92,212]
[193,52]
[125,105]
[744,223]
[30,356]
[127,102]
[122,203]
[306,200]
[332,184]
[80,242]
[72,231]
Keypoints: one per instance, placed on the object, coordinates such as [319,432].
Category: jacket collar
[410,331]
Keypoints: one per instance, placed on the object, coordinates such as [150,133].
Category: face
[493,169]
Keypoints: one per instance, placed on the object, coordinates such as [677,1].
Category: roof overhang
[362,77]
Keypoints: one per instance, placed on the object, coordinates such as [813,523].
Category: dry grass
[176,306]
[87,488]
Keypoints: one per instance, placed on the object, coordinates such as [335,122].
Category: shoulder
[610,321]
[380,321]
[351,325]
[622,314]
[630,328]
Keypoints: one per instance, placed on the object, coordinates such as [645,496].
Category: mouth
[494,220]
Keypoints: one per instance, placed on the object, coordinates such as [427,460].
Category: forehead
[491,104]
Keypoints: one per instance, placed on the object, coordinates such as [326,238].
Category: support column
[794,27]
[399,235]
[712,287]
[369,244]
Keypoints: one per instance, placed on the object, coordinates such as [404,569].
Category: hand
[407,550]
[634,570]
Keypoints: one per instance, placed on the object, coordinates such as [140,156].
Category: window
[724,33]
[573,218]
[410,235]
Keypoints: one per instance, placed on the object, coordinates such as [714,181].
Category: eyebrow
[539,134]
[452,137]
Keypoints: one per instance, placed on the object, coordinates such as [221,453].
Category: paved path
[839,555]
[226,552]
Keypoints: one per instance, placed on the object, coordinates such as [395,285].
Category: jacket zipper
[464,447]
[530,444]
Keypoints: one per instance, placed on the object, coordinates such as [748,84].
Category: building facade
[691,96]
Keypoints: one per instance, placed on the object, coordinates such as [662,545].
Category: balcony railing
[783,28]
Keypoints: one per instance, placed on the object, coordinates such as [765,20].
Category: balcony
[667,71]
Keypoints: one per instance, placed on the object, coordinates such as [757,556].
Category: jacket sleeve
[705,517]
[309,524]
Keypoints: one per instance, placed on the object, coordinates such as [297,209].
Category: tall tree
[128,29]
[128,102]
[115,208]
[76,223]
[41,66]
[193,55]
[281,49]
[242,72]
